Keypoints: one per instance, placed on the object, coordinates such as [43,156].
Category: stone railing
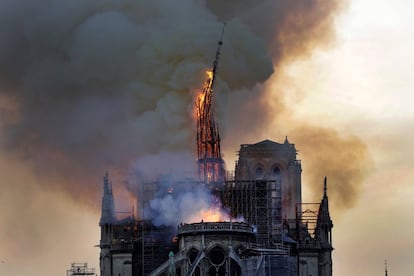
[240,227]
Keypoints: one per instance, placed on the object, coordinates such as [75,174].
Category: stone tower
[268,160]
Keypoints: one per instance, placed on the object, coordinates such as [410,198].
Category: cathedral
[270,231]
[281,235]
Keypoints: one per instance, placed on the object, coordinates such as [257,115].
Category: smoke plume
[292,30]
[343,160]
[187,207]
[86,86]
[289,28]
[92,85]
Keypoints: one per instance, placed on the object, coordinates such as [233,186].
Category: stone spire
[107,212]
[324,233]
[324,216]
[324,223]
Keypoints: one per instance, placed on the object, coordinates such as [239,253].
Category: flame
[201,95]
[214,215]
[209,74]
[209,215]
[200,99]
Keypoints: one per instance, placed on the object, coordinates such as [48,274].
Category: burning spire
[210,163]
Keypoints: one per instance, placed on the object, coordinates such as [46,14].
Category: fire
[209,74]
[214,215]
[210,163]
[201,95]
[200,99]
[209,215]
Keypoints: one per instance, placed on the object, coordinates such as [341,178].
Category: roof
[269,145]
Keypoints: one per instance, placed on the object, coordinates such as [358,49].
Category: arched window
[276,173]
[192,254]
[217,256]
[259,171]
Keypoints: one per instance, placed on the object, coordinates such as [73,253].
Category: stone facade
[268,160]
[281,235]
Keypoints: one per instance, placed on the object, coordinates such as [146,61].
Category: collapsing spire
[108,209]
[210,163]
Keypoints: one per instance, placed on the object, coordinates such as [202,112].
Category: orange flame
[209,215]
[200,95]
[209,74]
[200,99]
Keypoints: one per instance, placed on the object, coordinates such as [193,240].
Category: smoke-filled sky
[87,86]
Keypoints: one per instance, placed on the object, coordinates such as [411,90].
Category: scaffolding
[155,247]
[80,269]
[259,203]
[148,245]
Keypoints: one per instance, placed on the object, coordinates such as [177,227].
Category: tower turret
[106,224]
[325,224]
[107,211]
[324,232]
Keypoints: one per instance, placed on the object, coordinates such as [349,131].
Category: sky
[356,87]
[363,85]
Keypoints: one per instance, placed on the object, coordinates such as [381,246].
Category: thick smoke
[289,28]
[96,84]
[186,206]
[90,85]
[178,197]
[292,30]
[343,160]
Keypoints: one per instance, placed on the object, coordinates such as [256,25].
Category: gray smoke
[185,207]
[97,84]
[178,196]
[87,85]
[92,85]
[292,30]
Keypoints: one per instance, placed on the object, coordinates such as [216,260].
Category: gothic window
[276,173]
[217,256]
[192,255]
[259,172]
